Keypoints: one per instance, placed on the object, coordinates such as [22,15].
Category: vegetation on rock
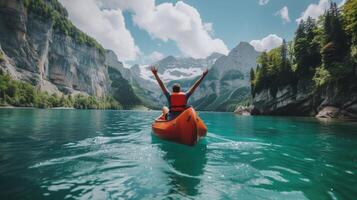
[18,93]
[122,90]
[2,57]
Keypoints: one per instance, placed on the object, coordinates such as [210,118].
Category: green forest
[323,51]
[17,93]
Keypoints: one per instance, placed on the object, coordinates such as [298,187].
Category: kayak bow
[187,128]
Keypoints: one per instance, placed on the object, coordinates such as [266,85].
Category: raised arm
[162,86]
[197,83]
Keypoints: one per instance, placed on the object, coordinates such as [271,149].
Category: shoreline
[145,109]
[24,107]
[16,107]
[70,108]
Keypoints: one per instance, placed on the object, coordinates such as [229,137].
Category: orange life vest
[178,101]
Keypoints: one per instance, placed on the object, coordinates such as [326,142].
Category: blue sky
[146,30]
[233,21]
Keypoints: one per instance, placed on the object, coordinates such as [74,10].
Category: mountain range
[226,85]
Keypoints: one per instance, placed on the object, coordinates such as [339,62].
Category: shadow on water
[186,165]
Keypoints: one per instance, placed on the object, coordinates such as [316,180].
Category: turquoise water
[79,154]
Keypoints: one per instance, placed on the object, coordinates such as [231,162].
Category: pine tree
[350,26]
[335,44]
[307,48]
[313,50]
[300,45]
[252,75]
[284,55]
[350,19]
[264,67]
[252,78]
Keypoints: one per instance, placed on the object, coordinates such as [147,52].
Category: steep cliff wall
[38,50]
[331,101]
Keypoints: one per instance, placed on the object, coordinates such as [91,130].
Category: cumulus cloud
[155,56]
[314,10]
[268,43]
[180,73]
[145,59]
[178,22]
[263,2]
[106,26]
[284,14]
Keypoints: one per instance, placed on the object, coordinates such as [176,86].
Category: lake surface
[91,154]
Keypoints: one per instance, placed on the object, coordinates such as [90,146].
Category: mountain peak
[168,59]
[242,47]
[214,55]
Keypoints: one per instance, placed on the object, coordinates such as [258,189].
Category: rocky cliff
[227,83]
[56,61]
[302,99]
[315,74]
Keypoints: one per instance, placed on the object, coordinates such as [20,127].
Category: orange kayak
[187,128]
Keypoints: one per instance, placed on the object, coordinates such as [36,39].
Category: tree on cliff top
[335,42]
[350,25]
[320,52]
[306,48]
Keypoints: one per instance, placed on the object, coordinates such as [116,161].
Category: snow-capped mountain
[226,85]
[177,68]
[228,82]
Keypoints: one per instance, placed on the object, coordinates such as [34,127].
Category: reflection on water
[91,154]
[186,165]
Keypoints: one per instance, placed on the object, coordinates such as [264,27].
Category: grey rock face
[289,100]
[49,59]
[227,83]
[328,112]
[74,67]
[303,100]
[243,110]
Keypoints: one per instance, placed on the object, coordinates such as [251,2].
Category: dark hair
[176,87]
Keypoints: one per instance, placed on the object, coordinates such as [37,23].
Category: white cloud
[284,14]
[180,73]
[263,2]
[155,56]
[170,74]
[106,26]
[178,22]
[146,73]
[208,27]
[314,10]
[145,59]
[268,43]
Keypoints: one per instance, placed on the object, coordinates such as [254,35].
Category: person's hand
[205,72]
[153,70]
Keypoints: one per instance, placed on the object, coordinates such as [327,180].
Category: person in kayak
[177,99]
